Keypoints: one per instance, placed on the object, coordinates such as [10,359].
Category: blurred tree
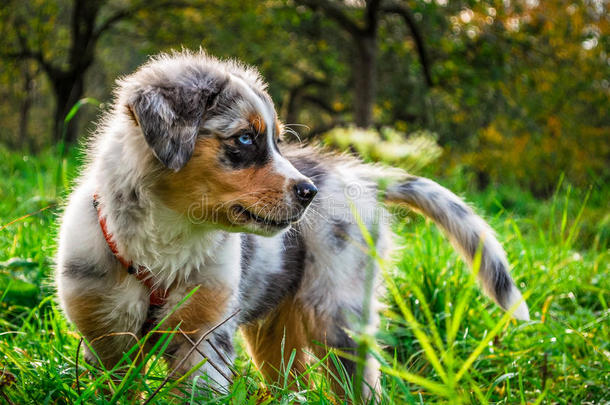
[29,73]
[360,19]
[518,90]
[61,37]
[527,91]
[17,79]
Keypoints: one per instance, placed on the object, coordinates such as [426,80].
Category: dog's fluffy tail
[467,232]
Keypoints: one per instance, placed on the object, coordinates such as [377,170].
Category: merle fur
[78,269]
[170,116]
[276,287]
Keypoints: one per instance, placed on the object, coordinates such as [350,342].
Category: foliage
[561,356]
[517,90]
[412,152]
[530,92]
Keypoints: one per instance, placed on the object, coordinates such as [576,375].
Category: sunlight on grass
[441,340]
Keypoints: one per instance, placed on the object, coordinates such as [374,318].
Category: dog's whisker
[297,125]
[293,132]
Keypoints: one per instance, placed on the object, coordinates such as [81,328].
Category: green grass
[440,341]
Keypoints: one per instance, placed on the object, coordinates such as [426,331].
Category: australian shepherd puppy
[189,186]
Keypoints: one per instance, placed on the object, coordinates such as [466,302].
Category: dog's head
[214,131]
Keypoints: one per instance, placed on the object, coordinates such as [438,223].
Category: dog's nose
[305,192]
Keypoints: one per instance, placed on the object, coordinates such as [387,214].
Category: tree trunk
[292,106]
[68,89]
[26,105]
[365,88]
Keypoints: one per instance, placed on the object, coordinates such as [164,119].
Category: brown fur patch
[291,323]
[206,191]
[88,312]
[257,122]
[204,308]
[300,329]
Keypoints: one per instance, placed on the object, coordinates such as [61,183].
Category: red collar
[158,296]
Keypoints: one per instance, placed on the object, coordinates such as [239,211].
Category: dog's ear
[170,117]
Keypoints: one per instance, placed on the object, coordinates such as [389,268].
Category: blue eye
[245,139]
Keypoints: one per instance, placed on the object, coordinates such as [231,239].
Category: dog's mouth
[242,216]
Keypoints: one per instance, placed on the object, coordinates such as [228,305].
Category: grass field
[441,340]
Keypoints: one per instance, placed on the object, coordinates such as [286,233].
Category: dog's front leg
[207,312]
[108,313]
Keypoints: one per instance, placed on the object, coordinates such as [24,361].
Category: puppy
[188,186]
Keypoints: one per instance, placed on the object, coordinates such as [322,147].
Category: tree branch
[82,47]
[130,12]
[295,95]
[335,12]
[75,23]
[317,131]
[406,15]
[319,102]
[26,52]
[372,6]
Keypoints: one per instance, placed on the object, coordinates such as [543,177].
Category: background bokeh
[505,102]
[516,91]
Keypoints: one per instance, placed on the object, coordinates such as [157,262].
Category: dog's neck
[147,233]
